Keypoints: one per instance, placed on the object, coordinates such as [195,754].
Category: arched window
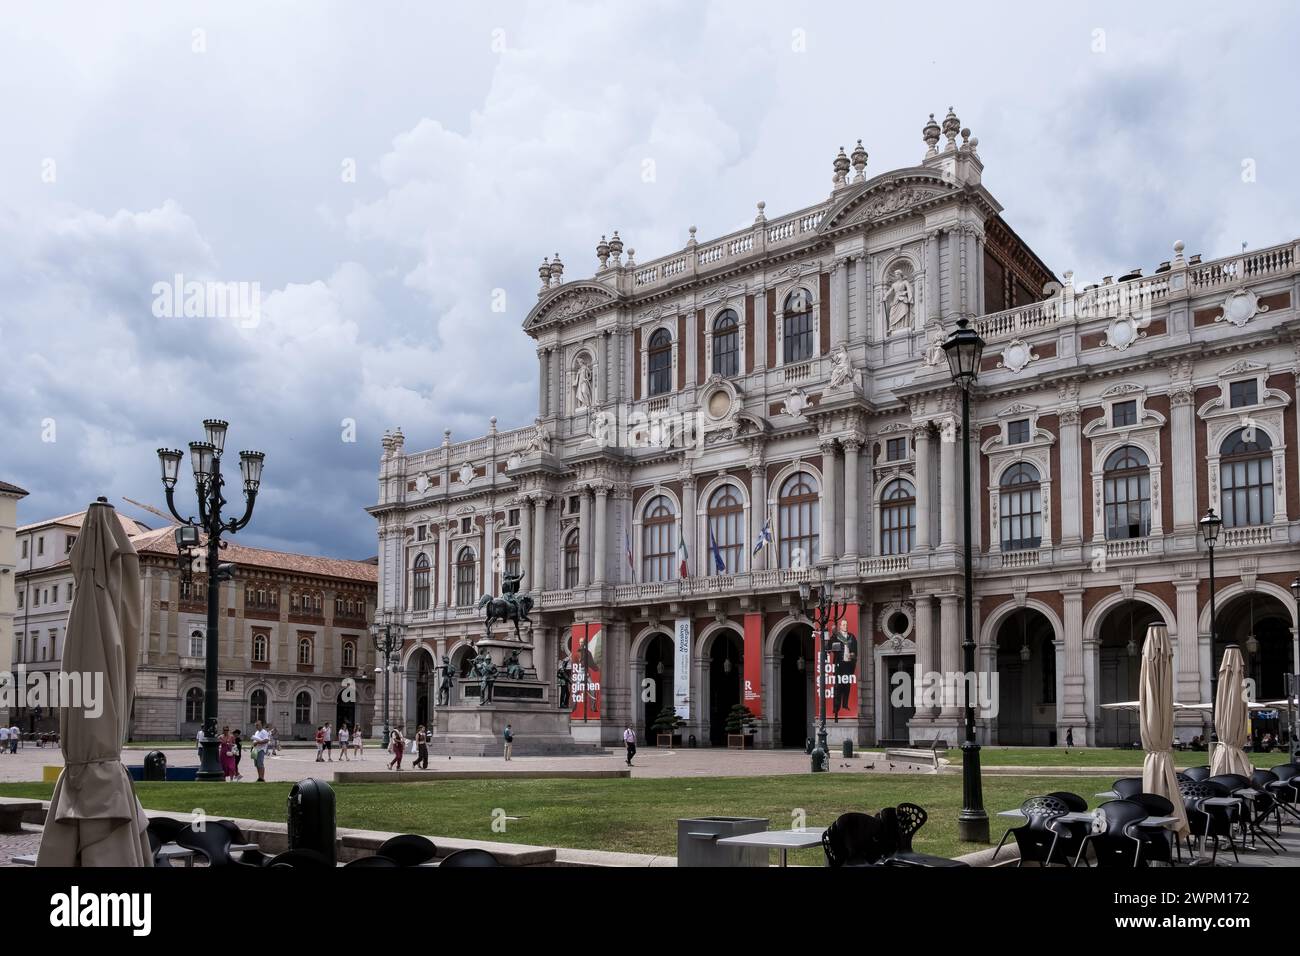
[512,556]
[198,644]
[659,363]
[194,706]
[571,559]
[302,708]
[726,530]
[1021,508]
[897,517]
[257,706]
[658,540]
[420,583]
[726,344]
[1246,478]
[261,646]
[465,577]
[306,650]
[1126,487]
[349,654]
[798,517]
[797,326]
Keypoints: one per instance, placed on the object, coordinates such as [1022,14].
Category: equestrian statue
[511,606]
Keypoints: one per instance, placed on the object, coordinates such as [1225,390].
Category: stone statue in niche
[582,378]
[934,345]
[841,369]
[898,302]
[540,439]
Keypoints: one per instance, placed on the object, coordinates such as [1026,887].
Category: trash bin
[311,817]
[697,842]
[155,765]
[848,748]
[691,742]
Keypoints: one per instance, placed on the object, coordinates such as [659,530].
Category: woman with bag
[226,753]
[396,746]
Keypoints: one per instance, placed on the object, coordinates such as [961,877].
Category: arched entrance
[726,671]
[346,710]
[1260,625]
[1119,665]
[1026,662]
[424,683]
[658,659]
[796,686]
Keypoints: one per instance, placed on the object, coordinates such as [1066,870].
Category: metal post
[210,761]
[973,821]
[1214,634]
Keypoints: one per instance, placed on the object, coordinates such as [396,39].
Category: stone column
[933,295]
[851,547]
[1071,478]
[761,358]
[601,534]
[949,479]
[526,542]
[1073,710]
[925,650]
[689,527]
[555,382]
[1182,436]
[543,387]
[1187,663]
[539,543]
[840,302]
[950,662]
[921,437]
[826,536]
[861,299]
[757,514]
[954,270]
[606,376]
[584,537]
[441,586]
[688,353]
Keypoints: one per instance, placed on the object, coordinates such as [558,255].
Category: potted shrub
[665,727]
[740,727]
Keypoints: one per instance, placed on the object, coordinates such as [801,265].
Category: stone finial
[762,216]
[492,425]
[446,437]
[544,273]
[841,166]
[631,258]
[951,127]
[616,249]
[965,138]
[1179,261]
[859,159]
[931,136]
[691,241]
[398,440]
[974,144]
[557,270]
[602,252]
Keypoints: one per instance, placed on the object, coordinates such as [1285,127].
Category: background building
[788,376]
[9,498]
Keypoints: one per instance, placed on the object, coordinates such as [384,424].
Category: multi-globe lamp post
[826,611]
[205,460]
[387,633]
[1210,526]
[1293,689]
[963,349]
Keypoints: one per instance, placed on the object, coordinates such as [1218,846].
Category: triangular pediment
[567,302]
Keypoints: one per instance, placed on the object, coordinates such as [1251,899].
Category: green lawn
[1096,757]
[627,815]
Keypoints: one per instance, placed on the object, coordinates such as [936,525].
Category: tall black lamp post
[964,347]
[1210,526]
[1293,688]
[387,633]
[205,458]
[826,612]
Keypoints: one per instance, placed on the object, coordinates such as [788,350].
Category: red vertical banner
[585,653]
[839,684]
[753,654]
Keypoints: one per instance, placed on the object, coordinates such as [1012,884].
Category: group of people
[352,739]
[9,737]
[398,746]
[230,751]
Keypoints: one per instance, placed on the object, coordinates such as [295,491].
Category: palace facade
[771,408]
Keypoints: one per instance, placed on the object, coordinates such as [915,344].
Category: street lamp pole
[963,349]
[1210,525]
[387,634]
[205,457]
[1293,689]
[826,610]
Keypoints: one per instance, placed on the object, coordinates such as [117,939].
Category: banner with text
[586,646]
[839,684]
[682,668]
[753,657]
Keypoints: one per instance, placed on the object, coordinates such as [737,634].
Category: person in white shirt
[329,742]
[629,741]
[4,739]
[14,736]
[198,743]
[261,743]
[358,742]
[343,741]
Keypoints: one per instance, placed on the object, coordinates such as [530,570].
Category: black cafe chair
[853,839]
[1197,774]
[1127,787]
[471,856]
[370,862]
[1043,838]
[907,819]
[1209,822]
[1076,803]
[1112,840]
[408,849]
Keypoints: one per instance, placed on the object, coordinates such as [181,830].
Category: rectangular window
[36,598]
[1244,393]
[1124,413]
[1018,432]
[21,595]
[40,546]
[162,683]
[466,525]
[420,532]
[896,449]
[575,502]
[512,517]
[56,595]
[230,686]
[72,539]
[24,547]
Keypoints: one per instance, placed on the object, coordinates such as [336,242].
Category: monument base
[470,729]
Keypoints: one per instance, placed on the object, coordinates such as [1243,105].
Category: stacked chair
[880,839]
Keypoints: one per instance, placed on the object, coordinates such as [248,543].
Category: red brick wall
[681,358]
[1160,403]
[700,375]
[636,363]
[825,296]
[749,334]
[1052,424]
[773,360]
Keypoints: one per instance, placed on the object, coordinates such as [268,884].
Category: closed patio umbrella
[1156,718]
[95,818]
[1230,716]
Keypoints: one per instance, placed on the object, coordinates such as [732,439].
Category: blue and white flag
[719,565]
[764,537]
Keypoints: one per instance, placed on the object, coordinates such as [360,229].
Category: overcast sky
[218,142]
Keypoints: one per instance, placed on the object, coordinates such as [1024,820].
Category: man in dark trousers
[629,741]
[508,738]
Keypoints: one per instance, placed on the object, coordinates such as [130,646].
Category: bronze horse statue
[503,609]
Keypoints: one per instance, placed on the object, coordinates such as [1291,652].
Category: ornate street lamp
[1210,526]
[205,461]
[826,611]
[1293,686]
[387,634]
[963,349]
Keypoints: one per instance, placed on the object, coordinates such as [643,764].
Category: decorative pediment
[1016,409]
[1244,367]
[568,302]
[1124,388]
[885,196]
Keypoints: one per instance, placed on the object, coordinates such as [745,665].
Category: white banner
[682,668]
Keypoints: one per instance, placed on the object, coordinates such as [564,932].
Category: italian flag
[681,551]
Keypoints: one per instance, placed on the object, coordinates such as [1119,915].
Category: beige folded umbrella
[1230,716]
[1156,719]
[95,818]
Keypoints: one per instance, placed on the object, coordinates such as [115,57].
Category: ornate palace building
[783,386]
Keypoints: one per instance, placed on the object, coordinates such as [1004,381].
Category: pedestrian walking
[1069,737]
[238,750]
[508,737]
[320,744]
[226,754]
[14,736]
[396,745]
[198,743]
[629,741]
[329,742]
[275,742]
[4,739]
[421,749]
[343,741]
[261,744]
[358,742]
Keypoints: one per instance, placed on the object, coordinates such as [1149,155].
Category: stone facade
[786,381]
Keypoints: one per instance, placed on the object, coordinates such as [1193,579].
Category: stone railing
[1128,548]
[1021,320]
[1275,260]
[1020,559]
[1246,537]
[874,567]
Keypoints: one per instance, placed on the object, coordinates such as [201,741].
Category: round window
[897,623]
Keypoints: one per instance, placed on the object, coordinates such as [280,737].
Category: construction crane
[153,511]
